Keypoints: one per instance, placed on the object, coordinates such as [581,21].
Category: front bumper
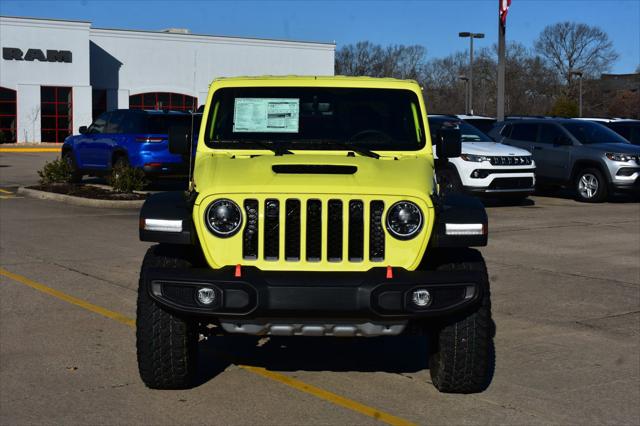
[271,294]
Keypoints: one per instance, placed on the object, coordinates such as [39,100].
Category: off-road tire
[462,356]
[166,342]
[76,175]
[590,174]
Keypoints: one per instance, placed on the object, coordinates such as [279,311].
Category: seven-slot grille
[342,221]
[511,160]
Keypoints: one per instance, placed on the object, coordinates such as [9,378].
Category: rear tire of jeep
[590,186]
[167,344]
[462,356]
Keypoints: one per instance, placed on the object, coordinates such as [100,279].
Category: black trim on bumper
[167,169]
[259,294]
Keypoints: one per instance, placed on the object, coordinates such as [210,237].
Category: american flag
[504,8]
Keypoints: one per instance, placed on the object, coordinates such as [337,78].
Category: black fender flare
[174,207]
[459,209]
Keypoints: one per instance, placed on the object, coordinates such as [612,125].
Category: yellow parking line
[30,149]
[67,298]
[281,378]
[4,191]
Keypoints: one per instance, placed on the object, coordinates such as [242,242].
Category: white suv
[484,167]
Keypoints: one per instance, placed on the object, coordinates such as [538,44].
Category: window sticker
[266,115]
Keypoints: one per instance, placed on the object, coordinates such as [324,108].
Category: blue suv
[124,137]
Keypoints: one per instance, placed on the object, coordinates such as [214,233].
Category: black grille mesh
[314,230]
[271,229]
[292,230]
[250,234]
[376,235]
[356,231]
[334,231]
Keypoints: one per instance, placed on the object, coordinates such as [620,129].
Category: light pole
[579,74]
[466,92]
[471,37]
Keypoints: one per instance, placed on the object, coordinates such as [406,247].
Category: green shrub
[57,171]
[127,179]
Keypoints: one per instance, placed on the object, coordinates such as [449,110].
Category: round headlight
[404,220]
[223,217]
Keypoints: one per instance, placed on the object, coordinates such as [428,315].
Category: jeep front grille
[305,221]
[512,160]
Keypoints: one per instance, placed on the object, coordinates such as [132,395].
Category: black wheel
[449,181]
[76,175]
[167,344]
[462,355]
[590,186]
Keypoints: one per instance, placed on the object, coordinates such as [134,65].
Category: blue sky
[432,23]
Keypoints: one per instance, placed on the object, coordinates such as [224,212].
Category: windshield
[468,133]
[590,133]
[315,118]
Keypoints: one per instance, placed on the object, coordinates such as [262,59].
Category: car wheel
[462,350]
[449,181]
[590,186]
[76,175]
[167,343]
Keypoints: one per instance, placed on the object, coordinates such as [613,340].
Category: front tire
[166,343]
[590,186]
[462,356]
[76,174]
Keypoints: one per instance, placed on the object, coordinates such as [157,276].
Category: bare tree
[571,46]
[366,58]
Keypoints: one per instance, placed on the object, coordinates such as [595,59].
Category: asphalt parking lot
[566,296]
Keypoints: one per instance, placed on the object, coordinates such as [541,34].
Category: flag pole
[501,65]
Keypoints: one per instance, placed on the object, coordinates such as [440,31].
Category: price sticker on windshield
[266,115]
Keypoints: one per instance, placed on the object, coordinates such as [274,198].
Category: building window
[8,116]
[56,112]
[98,102]
[163,100]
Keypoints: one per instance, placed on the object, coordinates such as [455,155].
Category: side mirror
[448,143]
[179,140]
[83,130]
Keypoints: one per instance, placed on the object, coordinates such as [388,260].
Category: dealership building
[56,76]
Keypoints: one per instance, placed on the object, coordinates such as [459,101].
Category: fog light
[421,298]
[206,296]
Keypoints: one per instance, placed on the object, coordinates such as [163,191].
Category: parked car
[587,156]
[127,137]
[484,167]
[627,128]
[315,214]
[480,122]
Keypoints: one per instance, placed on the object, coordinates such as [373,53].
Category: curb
[80,201]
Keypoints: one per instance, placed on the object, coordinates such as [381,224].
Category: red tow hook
[238,273]
[389,273]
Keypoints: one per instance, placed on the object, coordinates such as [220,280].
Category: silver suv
[586,156]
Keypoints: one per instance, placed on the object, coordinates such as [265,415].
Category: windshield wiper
[277,148]
[342,145]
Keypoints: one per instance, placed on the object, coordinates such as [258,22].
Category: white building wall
[163,62]
[27,76]
[131,62]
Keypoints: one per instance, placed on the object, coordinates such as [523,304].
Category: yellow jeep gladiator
[313,210]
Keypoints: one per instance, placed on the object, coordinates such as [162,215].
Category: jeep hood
[313,174]
[492,148]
